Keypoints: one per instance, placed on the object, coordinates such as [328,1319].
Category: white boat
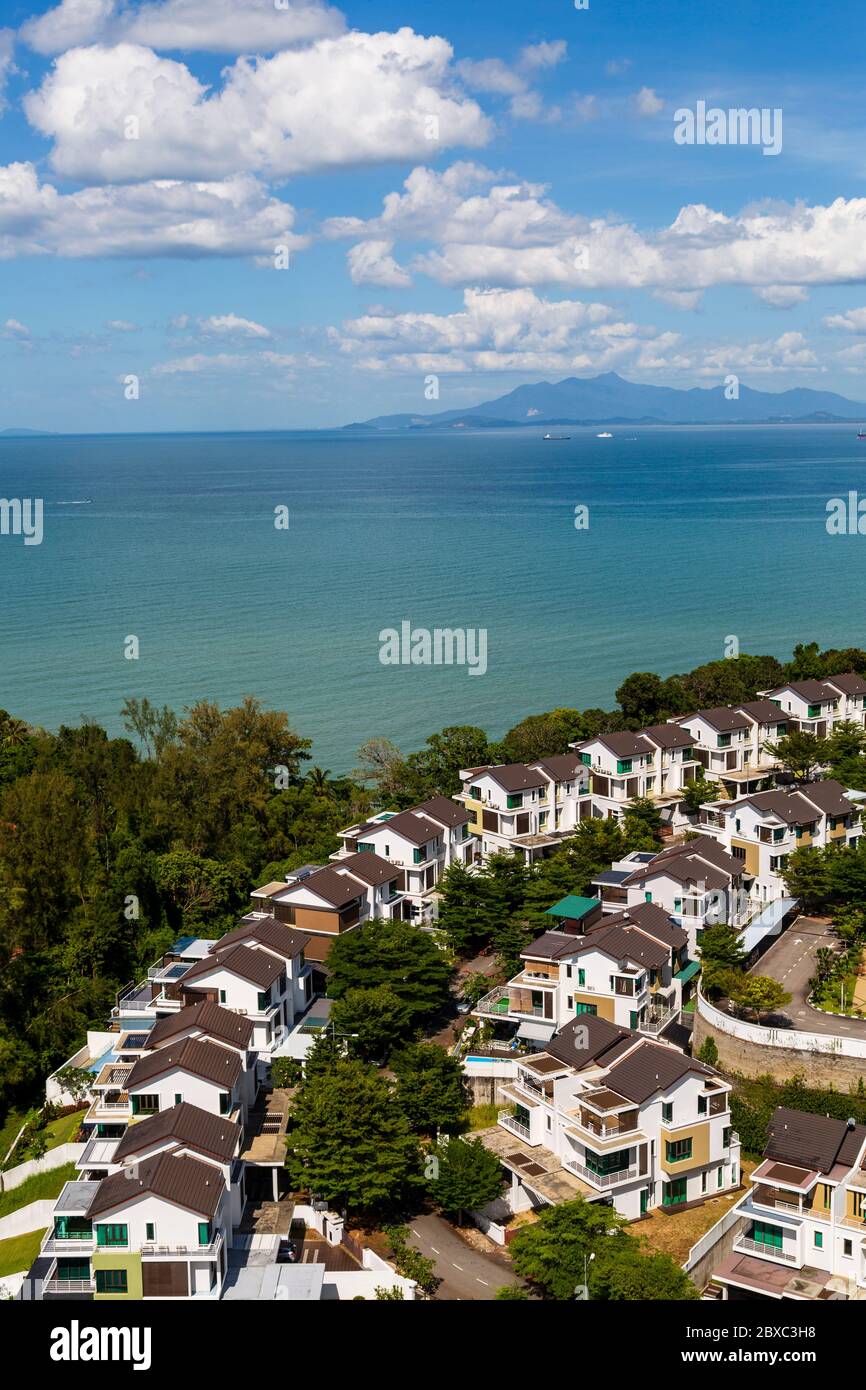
[605,434]
[556,436]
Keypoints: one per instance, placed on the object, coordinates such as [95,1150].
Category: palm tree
[318,780]
[14,732]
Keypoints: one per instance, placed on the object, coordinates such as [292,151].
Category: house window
[586,759]
[112,1235]
[586,1009]
[604,1164]
[726,1137]
[778,835]
[222,996]
[724,741]
[569,1003]
[515,802]
[677,1150]
[204,1233]
[476,792]
[418,856]
[581,976]
[144,1105]
[819,1240]
[366,848]
[647,897]
[720,1176]
[667,1111]
[178,1098]
[703,1181]
[225,1102]
[678,904]
[674,1192]
[150,1231]
[769,1236]
[623,765]
[702,1105]
[264,1001]
[111,1281]
[847,1248]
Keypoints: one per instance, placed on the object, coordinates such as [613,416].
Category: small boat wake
[84,502]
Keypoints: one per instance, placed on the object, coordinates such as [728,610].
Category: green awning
[688,972]
[572,907]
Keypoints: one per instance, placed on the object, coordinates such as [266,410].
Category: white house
[528,808]
[420,844]
[697,882]
[608,1116]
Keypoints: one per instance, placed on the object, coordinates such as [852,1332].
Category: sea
[271,564]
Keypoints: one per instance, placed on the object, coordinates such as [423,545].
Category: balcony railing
[599,1179]
[168,1252]
[516,1127]
[68,1286]
[757,1247]
[66,1245]
[495,1002]
[655,1020]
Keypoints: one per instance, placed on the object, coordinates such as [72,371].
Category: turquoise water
[695,534]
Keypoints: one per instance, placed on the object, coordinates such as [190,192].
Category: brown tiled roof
[811,691]
[218,1023]
[516,777]
[561,766]
[267,931]
[199,1057]
[372,868]
[763,711]
[649,1069]
[258,967]
[721,718]
[829,796]
[442,808]
[622,745]
[335,889]
[629,943]
[813,1141]
[187,1182]
[668,735]
[553,944]
[187,1125]
[603,1042]
[650,918]
[803,805]
[849,683]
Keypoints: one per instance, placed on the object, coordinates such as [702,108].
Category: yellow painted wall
[605,1007]
[700,1137]
[130,1260]
[752,854]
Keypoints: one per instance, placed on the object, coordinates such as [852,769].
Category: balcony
[495,1004]
[747,1246]
[655,1021]
[508,1122]
[68,1245]
[66,1286]
[171,1252]
[603,1180]
[604,1129]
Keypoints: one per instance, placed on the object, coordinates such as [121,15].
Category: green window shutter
[111,1281]
[150,1231]
[648,897]
[586,759]
[623,765]
[112,1234]
[204,1235]
[819,1240]
[678,904]
[178,1098]
[417,856]
[222,996]
[264,1001]
[581,976]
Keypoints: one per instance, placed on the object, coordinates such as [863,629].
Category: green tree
[641,697]
[799,753]
[541,736]
[348,1143]
[642,824]
[430,1088]
[806,876]
[466,1177]
[762,995]
[721,951]
[696,793]
[467,910]
[511,1293]
[553,1253]
[374,1019]
[396,954]
[627,1274]
[708,1051]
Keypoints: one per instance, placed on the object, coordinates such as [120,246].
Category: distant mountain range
[20,434]
[611,400]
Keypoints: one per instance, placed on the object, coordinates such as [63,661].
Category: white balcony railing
[516,1127]
[599,1179]
[770,1252]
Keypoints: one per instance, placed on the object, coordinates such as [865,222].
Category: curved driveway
[791,961]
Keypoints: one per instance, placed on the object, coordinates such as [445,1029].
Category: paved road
[791,961]
[465,1273]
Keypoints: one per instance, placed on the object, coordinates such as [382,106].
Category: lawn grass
[64,1129]
[37,1188]
[483,1116]
[18,1252]
[676,1234]
[12,1122]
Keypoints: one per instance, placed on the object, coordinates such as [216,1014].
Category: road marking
[482,1281]
[460,1267]
[433,1248]
[415,1233]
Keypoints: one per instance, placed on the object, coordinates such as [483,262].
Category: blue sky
[490,193]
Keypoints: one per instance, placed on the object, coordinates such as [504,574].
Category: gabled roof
[721,718]
[184,1124]
[650,918]
[622,745]
[551,945]
[444,810]
[801,805]
[849,683]
[335,889]
[667,736]
[620,942]
[697,861]
[209,1018]
[414,826]
[209,1060]
[603,1042]
[650,1068]
[186,1182]
[763,711]
[267,931]
[816,1141]
[829,796]
[369,867]
[561,766]
[514,777]
[813,692]
[257,967]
